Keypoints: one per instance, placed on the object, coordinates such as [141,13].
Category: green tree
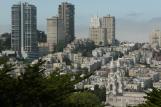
[33,89]
[153,99]
[7,84]
[100,92]
[83,99]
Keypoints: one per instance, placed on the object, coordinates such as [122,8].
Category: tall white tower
[114,81]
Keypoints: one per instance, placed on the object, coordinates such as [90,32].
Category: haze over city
[135,19]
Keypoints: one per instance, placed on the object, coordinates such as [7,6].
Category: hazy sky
[135,19]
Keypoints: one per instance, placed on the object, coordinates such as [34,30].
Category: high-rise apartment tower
[66,13]
[102,30]
[24,30]
[55,33]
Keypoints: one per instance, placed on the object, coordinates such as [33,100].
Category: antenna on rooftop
[108,12]
[97,13]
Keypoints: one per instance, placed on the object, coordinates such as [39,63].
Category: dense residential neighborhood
[55,68]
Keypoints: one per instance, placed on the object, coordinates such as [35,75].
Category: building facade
[102,30]
[115,80]
[128,99]
[55,33]
[155,38]
[24,30]
[41,36]
[66,13]
[97,33]
[108,23]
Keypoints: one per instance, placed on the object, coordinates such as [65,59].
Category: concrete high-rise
[102,30]
[155,38]
[55,33]
[108,22]
[66,13]
[24,30]
[97,33]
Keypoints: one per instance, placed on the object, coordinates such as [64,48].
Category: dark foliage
[33,89]
[153,99]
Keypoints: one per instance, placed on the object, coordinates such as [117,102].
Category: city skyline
[133,18]
[53,51]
